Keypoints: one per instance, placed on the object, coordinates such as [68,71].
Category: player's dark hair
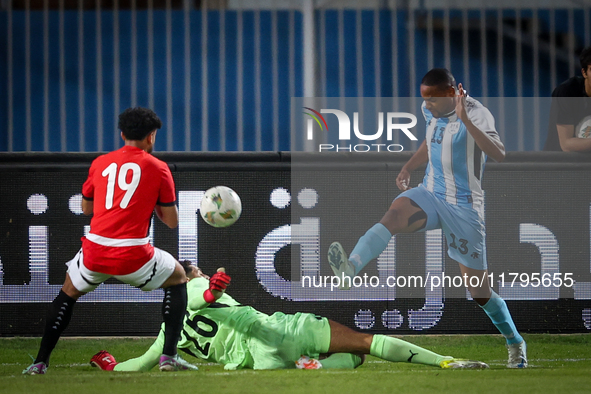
[585,58]
[137,123]
[186,264]
[440,77]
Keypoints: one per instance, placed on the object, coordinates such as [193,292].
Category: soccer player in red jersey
[122,191]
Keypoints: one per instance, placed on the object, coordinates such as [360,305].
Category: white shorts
[149,277]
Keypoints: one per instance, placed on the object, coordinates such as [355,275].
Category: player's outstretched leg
[397,350]
[403,216]
[345,340]
[369,247]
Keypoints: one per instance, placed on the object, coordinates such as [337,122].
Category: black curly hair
[137,123]
[186,264]
[440,77]
[585,58]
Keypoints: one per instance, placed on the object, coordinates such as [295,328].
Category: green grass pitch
[558,364]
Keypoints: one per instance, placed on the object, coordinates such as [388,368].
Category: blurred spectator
[569,127]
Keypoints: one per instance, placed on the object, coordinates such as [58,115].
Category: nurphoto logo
[392,120]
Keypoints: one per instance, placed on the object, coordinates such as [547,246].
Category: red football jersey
[125,186]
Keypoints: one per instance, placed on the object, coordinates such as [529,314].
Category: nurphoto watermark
[392,120]
[441,280]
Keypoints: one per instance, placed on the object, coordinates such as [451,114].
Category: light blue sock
[370,246]
[497,310]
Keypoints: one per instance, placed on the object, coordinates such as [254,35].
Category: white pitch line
[158,374]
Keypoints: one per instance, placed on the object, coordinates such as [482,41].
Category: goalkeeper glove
[217,285]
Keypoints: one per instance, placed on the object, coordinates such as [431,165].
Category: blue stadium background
[269,65]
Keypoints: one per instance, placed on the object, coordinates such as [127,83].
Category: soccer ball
[220,206]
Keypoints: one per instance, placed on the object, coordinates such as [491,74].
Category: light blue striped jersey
[456,163]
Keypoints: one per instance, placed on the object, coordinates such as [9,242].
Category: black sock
[173,313]
[57,319]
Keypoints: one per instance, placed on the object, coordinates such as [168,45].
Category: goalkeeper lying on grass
[220,330]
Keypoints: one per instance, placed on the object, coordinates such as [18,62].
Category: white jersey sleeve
[481,117]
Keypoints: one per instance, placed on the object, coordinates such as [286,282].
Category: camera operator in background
[569,128]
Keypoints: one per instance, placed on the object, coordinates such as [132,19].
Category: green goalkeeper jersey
[217,332]
[239,336]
